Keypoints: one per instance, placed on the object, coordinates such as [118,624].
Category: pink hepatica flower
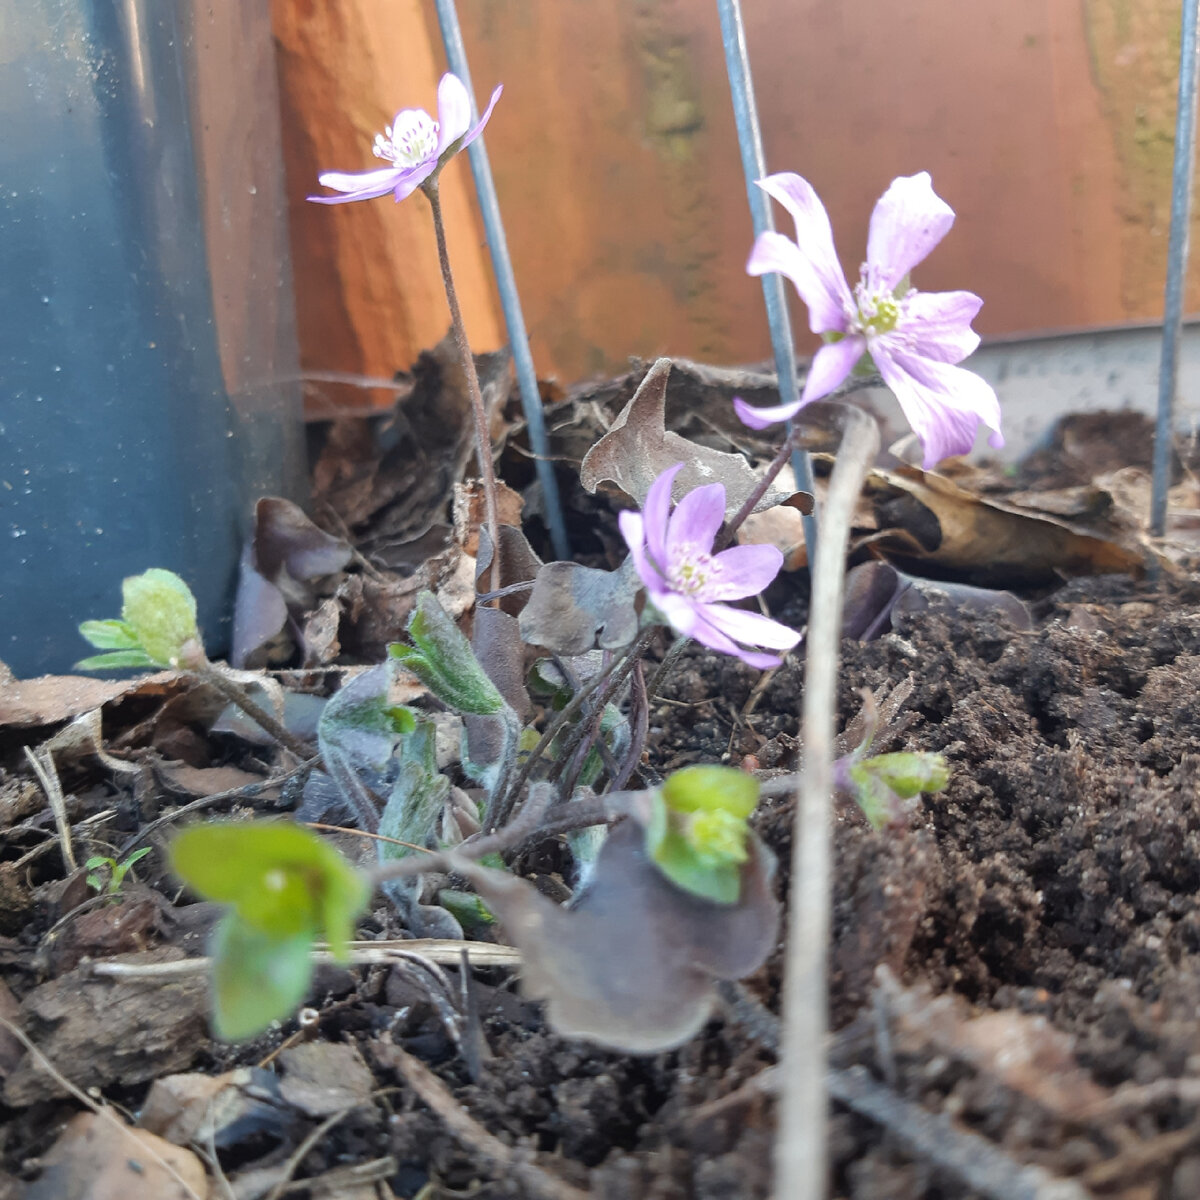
[415,144]
[914,338]
[686,581]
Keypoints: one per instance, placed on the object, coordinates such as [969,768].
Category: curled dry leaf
[638,448]
[285,554]
[877,592]
[925,517]
[573,609]
[631,964]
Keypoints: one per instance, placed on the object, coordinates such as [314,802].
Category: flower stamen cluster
[410,141]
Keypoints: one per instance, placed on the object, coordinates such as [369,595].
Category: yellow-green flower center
[717,837]
[690,571]
[876,311]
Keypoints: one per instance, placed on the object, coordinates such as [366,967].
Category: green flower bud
[442,659]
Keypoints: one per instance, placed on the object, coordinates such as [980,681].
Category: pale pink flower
[913,338]
[415,144]
[686,581]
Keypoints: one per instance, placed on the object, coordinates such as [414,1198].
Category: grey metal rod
[754,167]
[1177,259]
[506,282]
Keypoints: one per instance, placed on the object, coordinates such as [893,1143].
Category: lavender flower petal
[695,522]
[454,111]
[742,571]
[941,324]
[830,366]
[656,513]
[819,277]
[908,221]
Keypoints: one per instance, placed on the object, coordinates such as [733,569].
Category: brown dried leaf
[323,1077]
[573,609]
[924,517]
[49,699]
[638,448]
[470,511]
[98,1157]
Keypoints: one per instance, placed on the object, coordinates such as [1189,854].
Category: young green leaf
[161,610]
[109,635]
[257,978]
[280,878]
[442,659]
[115,660]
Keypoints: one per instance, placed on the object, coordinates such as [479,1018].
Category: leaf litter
[1021,965]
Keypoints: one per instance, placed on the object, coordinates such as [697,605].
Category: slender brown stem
[238,695]
[760,490]
[483,438]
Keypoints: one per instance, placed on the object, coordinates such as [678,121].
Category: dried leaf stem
[801,1153]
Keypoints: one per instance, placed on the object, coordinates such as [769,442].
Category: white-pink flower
[415,144]
[914,338]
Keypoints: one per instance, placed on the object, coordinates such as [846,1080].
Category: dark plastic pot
[121,445]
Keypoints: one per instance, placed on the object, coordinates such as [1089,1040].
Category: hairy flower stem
[236,694]
[801,1153]
[751,502]
[676,648]
[483,438]
[499,815]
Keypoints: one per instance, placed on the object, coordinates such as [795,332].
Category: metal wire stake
[754,166]
[1177,258]
[510,300]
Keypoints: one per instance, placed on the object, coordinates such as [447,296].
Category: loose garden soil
[1020,963]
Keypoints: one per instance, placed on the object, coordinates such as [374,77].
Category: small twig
[675,649]
[249,789]
[535,1180]
[499,814]
[101,1110]
[760,490]
[44,769]
[801,1149]
[362,954]
[298,1155]
[982,1165]
[236,694]
[639,727]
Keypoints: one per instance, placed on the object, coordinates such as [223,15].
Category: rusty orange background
[1046,124]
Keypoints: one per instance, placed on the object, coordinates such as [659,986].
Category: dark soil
[1055,881]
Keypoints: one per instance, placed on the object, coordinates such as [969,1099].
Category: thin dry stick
[983,1166]
[44,769]
[363,954]
[297,1156]
[801,1156]
[483,437]
[534,1179]
[101,1110]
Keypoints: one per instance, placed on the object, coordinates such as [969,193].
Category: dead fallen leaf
[638,448]
[98,1157]
[320,1078]
[925,517]
[222,1109]
[49,699]
[208,781]
[285,555]
[632,962]
[573,609]
[470,512]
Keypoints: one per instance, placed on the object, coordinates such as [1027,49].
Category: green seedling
[884,786]
[285,887]
[100,865]
[698,830]
[157,627]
